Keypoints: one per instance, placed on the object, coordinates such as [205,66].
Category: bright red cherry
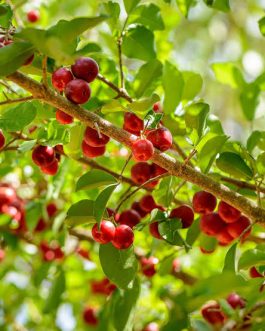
[212,224]
[94,138]
[147,203]
[228,213]
[153,229]
[90,151]
[212,313]
[204,202]
[123,237]
[90,316]
[51,169]
[156,170]
[224,237]
[253,273]
[129,217]
[136,206]
[7,195]
[141,172]
[151,327]
[60,78]
[142,150]
[104,233]
[85,68]
[51,209]
[63,118]
[133,124]
[237,228]
[83,252]
[77,91]
[185,214]
[2,139]
[43,155]
[2,254]
[148,265]
[157,107]
[161,138]
[33,15]
[103,286]
[235,301]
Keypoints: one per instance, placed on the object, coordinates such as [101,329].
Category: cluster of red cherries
[47,158]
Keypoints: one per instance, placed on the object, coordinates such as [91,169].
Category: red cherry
[77,91]
[83,252]
[185,214]
[203,202]
[148,265]
[60,78]
[129,217]
[156,170]
[142,150]
[41,225]
[161,138]
[43,155]
[94,138]
[147,203]
[51,209]
[176,266]
[133,124]
[7,195]
[103,286]
[136,206]
[224,237]
[123,237]
[141,172]
[90,316]
[212,313]
[211,224]
[153,228]
[63,118]
[236,229]
[205,251]
[228,213]
[85,68]
[253,273]
[33,15]
[105,233]
[50,169]
[151,327]
[92,151]
[2,254]
[2,139]
[235,301]
[49,256]
[157,107]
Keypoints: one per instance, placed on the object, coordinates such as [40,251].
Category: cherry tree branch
[173,166]
[242,184]
[9,101]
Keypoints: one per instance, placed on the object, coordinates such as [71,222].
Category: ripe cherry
[185,214]
[147,203]
[33,15]
[235,301]
[212,313]
[90,151]
[2,139]
[77,91]
[156,170]
[140,172]
[90,316]
[153,228]
[224,237]
[176,266]
[157,107]
[133,124]
[63,118]
[51,209]
[129,217]
[60,78]
[161,138]
[142,149]
[83,252]
[94,138]
[103,286]
[136,206]
[212,224]
[254,273]
[51,169]
[204,202]
[2,254]
[41,225]
[123,237]
[104,233]
[228,213]
[43,155]
[85,68]
[148,265]
[7,195]
[151,327]
[237,228]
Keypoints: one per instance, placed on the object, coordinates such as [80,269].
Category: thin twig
[44,71]
[125,164]
[9,101]
[242,184]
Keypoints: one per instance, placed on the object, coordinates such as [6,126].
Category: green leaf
[169,231]
[33,214]
[54,134]
[173,85]
[113,106]
[112,9]
[102,200]
[81,212]
[262,25]
[120,266]
[6,15]
[230,259]
[27,146]
[254,140]
[192,85]
[13,56]
[95,179]
[193,232]
[125,302]
[149,16]
[229,74]
[152,119]
[234,165]
[222,5]
[88,49]
[200,325]
[251,257]
[249,100]
[147,78]
[55,293]
[73,148]
[142,106]
[130,5]
[207,243]
[138,43]
[261,164]
[185,5]
[15,119]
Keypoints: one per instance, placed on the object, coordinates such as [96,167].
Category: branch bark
[165,161]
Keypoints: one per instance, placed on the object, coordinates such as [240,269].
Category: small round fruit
[237,228]
[129,217]
[147,203]
[90,151]
[142,150]
[51,169]
[90,316]
[2,254]
[148,265]
[212,224]
[133,124]
[77,91]
[136,206]
[33,16]
[60,78]
[176,266]
[94,138]
[212,313]
[157,107]
[156,170]
[224,237]
[161,138]
[7,195]
[2,139]
[153,229]
[85,68]
[43,155]
[105,233]
[151,327]
[41,225]
[51,209]
[123,237]
[235,301]
[254,273]
[228,213]
[204,202]
[140,172]
[63,118]
[185,214]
